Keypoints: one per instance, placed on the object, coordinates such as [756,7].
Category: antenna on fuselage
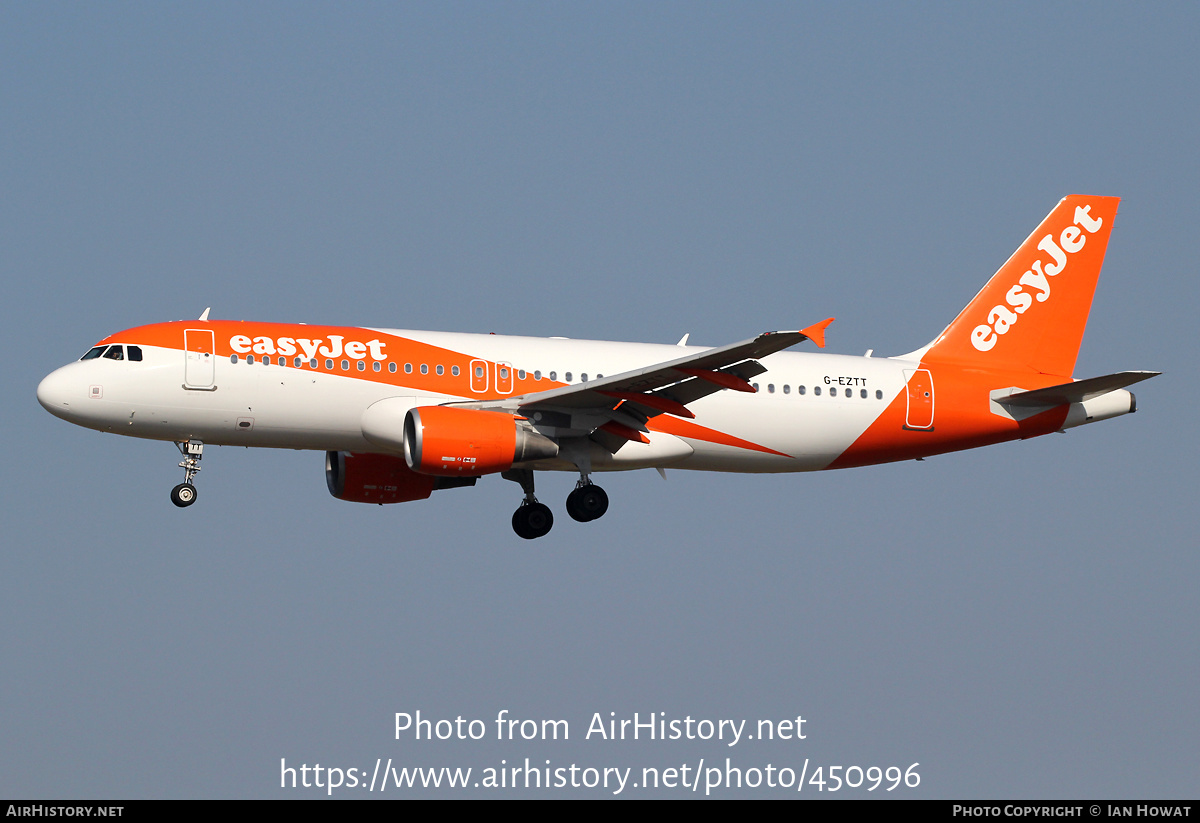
[204,314]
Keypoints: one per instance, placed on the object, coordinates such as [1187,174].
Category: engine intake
[449,441]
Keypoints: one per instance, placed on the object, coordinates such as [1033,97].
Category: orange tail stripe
[682,428]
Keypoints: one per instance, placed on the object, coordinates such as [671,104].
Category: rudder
[1033,312]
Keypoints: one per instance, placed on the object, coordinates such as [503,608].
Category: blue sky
[1020,620]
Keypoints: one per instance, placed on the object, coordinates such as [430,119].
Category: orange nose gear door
[920,400]
[199,365]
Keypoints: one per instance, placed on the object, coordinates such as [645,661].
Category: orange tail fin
[1032,313]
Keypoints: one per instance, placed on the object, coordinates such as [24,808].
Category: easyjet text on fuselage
[310,348]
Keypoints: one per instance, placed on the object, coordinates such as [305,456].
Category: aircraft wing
[628,399]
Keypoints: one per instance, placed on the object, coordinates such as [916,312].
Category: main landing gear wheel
[532,520]
[183,495]
[587,503]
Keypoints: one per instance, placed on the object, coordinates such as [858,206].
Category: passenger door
[199,365]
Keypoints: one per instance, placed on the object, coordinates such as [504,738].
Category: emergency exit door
[920,399]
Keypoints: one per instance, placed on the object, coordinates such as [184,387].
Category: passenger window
[408,368]
[878,394]
[479,371]
[440,370]
[93,353]
[568,376]
[833,392]
[250,359]
[553,375]
[376,366]
[755,386]
[503,374]
[770,388]
[266,361]
[520,374]
[114,353]
[313,362]
[787,389]
[392,368]
[362,365]
[817,391]
[800,390]
[424,369]
[135,353]
[864,394]
[583,377]
[233,358]
[454,371]
[599,376]
[345,365]
[329,365]
[537,375]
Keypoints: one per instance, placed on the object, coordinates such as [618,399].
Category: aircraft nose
[57,392]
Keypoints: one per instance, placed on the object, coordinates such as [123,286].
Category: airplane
[401,414]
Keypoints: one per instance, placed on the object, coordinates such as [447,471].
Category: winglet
[816,332]
[204,314]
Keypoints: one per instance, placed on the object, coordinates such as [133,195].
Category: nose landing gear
[184,494]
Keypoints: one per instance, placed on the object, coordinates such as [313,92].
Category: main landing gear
[533,519]
[184,494]
[588,502]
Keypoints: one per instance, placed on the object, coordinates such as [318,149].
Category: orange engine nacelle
[453,442]
[375,478]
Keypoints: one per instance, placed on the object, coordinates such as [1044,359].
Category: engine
[380,478]
[454,442]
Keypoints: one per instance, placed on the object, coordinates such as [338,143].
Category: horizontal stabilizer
[1078,391]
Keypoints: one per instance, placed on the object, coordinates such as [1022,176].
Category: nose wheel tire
[183,495]
[532,520]
[587,503]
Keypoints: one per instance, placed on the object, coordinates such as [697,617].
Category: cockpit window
[115,353]
[135,353]
[94,353]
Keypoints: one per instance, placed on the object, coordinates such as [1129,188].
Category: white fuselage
[808,410]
